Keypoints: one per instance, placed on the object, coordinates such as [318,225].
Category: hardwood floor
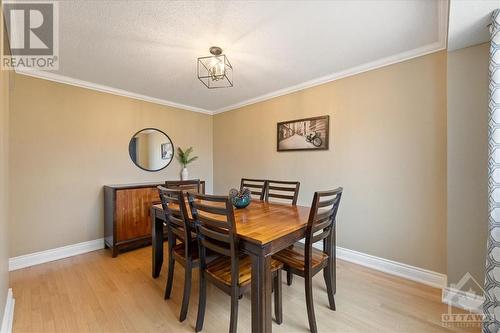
[96,293]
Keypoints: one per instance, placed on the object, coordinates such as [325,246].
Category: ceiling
[469,21]
[148,49]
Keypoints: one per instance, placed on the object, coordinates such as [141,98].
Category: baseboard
[424,276]
[8,314]
[54,254]
[421,275]
[463,299]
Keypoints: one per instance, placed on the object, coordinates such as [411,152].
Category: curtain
[491,307]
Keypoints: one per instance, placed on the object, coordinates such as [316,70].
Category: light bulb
[216,68]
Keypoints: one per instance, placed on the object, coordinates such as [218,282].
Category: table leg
[157,243]
[261,293]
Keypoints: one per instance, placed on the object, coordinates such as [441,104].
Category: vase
[184,174]
[240,199]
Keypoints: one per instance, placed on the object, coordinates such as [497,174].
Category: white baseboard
[450,296]
[462,299]
[421,275]
[424,276]
[8,314]
[54,254]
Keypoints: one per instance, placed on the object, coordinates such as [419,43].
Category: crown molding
[439,45]
[106,89]
[401,57]
[443,22]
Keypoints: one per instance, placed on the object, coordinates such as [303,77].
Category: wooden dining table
[263,229]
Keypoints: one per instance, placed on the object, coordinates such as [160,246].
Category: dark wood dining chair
[257,186]
[185,185]
[231,272]
[306,261]
[186,252]
[283,190]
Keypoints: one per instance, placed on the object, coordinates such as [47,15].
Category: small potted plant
[184,159]
[240,199]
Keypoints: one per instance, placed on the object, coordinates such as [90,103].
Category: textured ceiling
[149,48]
[469,21]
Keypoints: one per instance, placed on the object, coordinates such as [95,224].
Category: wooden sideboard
[127,220]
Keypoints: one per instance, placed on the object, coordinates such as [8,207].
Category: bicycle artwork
[303,134]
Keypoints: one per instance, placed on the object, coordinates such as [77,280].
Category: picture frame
[303,134]
[166,151]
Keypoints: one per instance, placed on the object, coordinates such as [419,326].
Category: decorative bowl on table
[240,199]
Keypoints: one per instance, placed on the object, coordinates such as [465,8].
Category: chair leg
[334,274]
[334,261]
[310,304]
[170,278]
[278,305]
[234,311]
[327,274]
[187,291]
[202,302]
[289,277]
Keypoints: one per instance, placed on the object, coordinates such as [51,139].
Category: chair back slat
[316,238]
[257,187]
[213,223]
[192,185]
[179,233]
[254,186]
[280,189]
[216,248]
[324,215]
[216,210]
[176,216]
[219,236]
[216,229]
[280,196]
[327,203]
[321,223]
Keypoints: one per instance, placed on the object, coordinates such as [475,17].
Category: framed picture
[303,134]
[166,151]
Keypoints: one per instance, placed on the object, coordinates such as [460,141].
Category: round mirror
[151,149]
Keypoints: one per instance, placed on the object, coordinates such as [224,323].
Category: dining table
[263,228]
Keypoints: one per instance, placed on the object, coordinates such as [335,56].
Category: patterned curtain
[492,280]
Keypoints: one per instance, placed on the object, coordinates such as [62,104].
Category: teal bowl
[241,202]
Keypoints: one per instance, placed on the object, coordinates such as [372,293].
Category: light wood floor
[96,293]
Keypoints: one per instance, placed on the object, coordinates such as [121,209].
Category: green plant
[183,156]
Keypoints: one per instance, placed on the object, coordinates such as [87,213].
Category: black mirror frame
[156,129]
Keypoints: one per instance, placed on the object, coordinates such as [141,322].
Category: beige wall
[387,149]
[4,182]
[467,162]
[67,142]
[4,187]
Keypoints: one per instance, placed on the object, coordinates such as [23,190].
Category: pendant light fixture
[215,71]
